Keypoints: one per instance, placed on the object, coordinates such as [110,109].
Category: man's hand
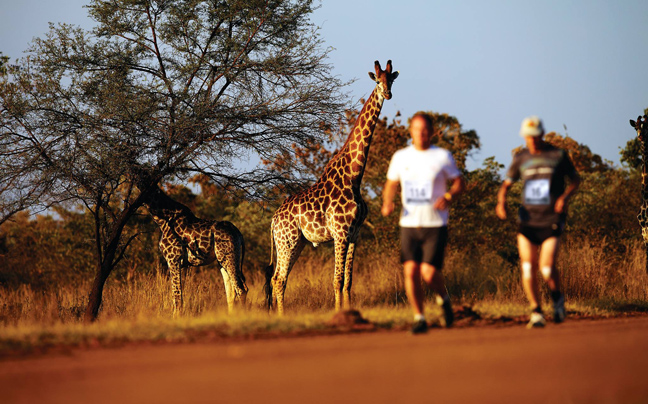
[500,210]
[387,208]
[559,206]
[389,192]
[441,204]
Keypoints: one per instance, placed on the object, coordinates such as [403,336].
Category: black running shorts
[426,244]
[537,235]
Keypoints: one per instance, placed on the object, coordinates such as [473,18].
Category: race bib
[418,192]
[536,192]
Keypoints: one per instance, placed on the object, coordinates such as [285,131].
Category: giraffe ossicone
[188,241]
[330,210]
[641,126]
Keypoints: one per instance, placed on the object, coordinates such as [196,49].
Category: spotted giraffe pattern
[641,126]
[189,241]
[332,209]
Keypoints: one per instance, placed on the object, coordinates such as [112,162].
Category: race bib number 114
[418,192]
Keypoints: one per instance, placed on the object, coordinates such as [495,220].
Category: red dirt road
[592,361]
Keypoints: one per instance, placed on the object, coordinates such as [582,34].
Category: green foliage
[584,160]
[473,223]
[606,207]
[631,155]
[3,64]
[44,252]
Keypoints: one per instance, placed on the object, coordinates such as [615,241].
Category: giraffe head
[640,126]
[383,79]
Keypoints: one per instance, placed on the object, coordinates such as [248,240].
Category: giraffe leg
[236,289]
[279,281]
[239,287]
[228,249]
[348,277]
[287,255]
[229,293]
[176,258]
[341,248]
[267,287]
[176,287]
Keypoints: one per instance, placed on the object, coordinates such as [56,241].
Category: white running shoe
[536,320]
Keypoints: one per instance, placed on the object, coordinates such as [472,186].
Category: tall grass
[594,272]
[590,273]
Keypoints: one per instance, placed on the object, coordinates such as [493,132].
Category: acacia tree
[159,89]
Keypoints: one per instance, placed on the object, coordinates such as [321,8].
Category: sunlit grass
[597,282]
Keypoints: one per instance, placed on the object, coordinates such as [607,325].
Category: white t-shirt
[423,176]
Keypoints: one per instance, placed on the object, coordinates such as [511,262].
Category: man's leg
[434,279]
[548,256]
[528,260]
[413,289]
[529,265]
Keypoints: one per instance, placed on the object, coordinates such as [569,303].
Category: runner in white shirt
[422,172]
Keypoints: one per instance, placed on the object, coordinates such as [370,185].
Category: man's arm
[561,201]
[389,192]
[500,209]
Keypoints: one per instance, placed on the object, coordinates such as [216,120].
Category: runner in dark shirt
[542,216]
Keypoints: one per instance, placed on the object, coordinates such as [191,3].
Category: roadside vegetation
[137,308]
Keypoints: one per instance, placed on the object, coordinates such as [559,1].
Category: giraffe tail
[269,272]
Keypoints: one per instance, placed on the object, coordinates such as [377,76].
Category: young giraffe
[641,126]
[332,209]
[189,241]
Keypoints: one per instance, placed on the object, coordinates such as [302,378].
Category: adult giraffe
[641,126]
[332,209]
[189,241]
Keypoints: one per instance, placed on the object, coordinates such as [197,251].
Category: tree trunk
[96,293]
[107,259]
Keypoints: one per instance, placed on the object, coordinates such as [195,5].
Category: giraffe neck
[642,134]
[643,213]
[351,160]
[164,209]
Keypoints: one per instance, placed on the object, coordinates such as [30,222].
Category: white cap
[531,126]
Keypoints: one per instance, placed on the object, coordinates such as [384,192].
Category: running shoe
[448,315]
[536,320]
[420,327]
[559,309]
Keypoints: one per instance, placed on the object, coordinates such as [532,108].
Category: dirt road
[602,361]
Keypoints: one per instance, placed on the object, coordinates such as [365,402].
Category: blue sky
[577,63]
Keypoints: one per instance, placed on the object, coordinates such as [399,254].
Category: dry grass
[596,281]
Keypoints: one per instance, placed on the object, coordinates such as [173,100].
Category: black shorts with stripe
[424,244]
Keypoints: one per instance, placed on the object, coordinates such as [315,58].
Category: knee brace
[526,270]
[546,271]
